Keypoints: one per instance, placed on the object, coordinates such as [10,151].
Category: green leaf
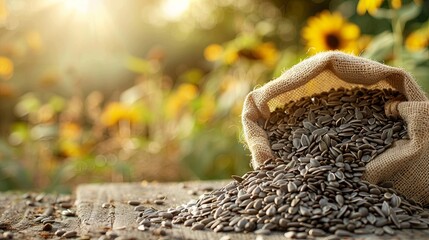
[421,75]
[408,12]
[215,154]
[380,47]
[415,58]
[383,13]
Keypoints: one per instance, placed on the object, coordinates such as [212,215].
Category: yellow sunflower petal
[213,52]
[363,42]
[370,6]
[116,112]
[268,53]
[336,21]
[416,41]
[350,31]
[230,57]
[396,4]
[187,91]
[361,7]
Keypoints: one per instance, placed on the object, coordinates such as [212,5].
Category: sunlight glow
[77,6]
[174,9]
[89,19]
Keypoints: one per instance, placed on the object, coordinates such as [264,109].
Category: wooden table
[93,216]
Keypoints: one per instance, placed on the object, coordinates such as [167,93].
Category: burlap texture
[406,163]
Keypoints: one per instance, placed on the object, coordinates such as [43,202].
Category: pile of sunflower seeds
[314,187]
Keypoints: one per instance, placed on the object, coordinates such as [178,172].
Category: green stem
[397,28]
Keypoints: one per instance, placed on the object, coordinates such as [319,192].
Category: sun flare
[174,9]
[78,6]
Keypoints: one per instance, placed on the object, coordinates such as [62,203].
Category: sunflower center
[332,41]
[249,54]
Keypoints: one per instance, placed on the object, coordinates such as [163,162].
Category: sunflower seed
[133,203]
[314,184]
[70,234]
[60,232]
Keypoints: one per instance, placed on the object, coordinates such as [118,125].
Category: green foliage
[12,173]
[210,155]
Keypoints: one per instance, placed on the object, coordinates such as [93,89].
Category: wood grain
[92,220]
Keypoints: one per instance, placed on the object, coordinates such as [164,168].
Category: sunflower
[116,112]
[417,40]
[245,48]
[330,31]
[371,6]
[265,52]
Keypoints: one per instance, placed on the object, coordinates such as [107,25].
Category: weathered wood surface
[92,220]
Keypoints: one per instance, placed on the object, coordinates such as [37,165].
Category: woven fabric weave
[406,163]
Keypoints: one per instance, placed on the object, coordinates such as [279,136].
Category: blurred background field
[106,90]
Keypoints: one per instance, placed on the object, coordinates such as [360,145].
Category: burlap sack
[406,163]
